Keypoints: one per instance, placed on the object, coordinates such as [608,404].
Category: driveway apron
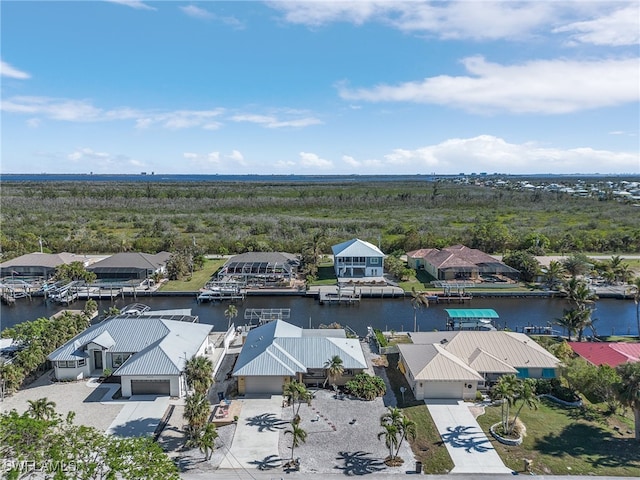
[140,416]
[257,433]
[468,446]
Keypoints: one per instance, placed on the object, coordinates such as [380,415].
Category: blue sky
[243,87]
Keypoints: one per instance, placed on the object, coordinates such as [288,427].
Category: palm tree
[629,390]
[390,434]
[418,300]
[334,367]
[526,394]
[204,440]
[408,430]
[196,413]
[198,371]
[505,390]
[570,320]
[298,435]
[636,299]
[230,313]
[42,409]
[554,273]
[615,265]
[297,391]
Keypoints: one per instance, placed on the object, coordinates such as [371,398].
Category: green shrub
[366,386]
[382,340]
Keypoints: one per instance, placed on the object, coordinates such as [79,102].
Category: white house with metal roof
[277,352]
[357,259]
[455,364]
[147,352]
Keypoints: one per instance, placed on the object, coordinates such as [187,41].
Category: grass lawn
[197,281]
[428,446]
[561,441]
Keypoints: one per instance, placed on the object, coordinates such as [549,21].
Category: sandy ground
[81,397]
[335,442]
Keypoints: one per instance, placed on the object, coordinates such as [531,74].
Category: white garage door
[258,385]
[150,387]
[443,390]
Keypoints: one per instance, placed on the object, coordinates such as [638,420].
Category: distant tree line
[232,217]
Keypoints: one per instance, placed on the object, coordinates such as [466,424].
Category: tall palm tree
[230,313]
[299,436]
[196,412]
[297,392]
[204,440]
[42,409]
[505,390]
[418,301]
[390,434]
[570,320]
[408,430]
[629,390]
[554,273]
[526,394]
[198,371]
[636,299]
[334,368]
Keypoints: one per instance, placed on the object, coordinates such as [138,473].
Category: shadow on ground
[359,463]
[468,438]
[596,445]
[96,395]
[136,428]
[268,463]
[266,421]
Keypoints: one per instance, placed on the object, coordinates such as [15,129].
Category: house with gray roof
[40,265]
[147,352]
[127,266]
[278,352]
[357,259]
[456,364]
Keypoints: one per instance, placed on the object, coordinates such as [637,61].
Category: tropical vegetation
[36,444]
[366,386]
[396,429]
[334,368]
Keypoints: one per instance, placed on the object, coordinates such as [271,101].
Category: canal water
[614,316]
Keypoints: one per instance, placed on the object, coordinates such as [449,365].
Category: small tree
[297,392]
[390,434]
[230,313]
[526,395]
[418,301]
[196,412]
[298,435]
[334,368]
[629,390]
[42,409]
[198,371]
[204,439]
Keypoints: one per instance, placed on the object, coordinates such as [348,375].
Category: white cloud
[311,160]
[137,4]
[270,121]
[102,161]
[197,12]
[33,122]
[215,159]
[489,153]
[368,163]
[84,111]
[10,71]
[541,86]
[237,158]
[618,28]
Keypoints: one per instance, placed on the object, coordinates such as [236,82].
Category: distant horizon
[321,87]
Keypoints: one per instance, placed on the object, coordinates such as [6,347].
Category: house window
[82,362]
[66,364]
[374,260]
[548,373]
[523,373]
[118,359]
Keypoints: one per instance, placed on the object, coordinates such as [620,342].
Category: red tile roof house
[609,353]
[458,262]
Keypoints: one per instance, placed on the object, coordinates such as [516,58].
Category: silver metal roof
[356,248]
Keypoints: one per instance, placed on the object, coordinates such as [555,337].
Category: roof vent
[443,341]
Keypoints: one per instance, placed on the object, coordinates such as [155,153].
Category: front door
[97,359]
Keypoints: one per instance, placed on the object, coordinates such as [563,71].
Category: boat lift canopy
[471,313]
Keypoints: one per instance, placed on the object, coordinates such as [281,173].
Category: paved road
[279,475]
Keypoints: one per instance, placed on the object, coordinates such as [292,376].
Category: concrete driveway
[468,446]
[257,433]
[140,416]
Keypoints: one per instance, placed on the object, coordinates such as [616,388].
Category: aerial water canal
[613,316]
